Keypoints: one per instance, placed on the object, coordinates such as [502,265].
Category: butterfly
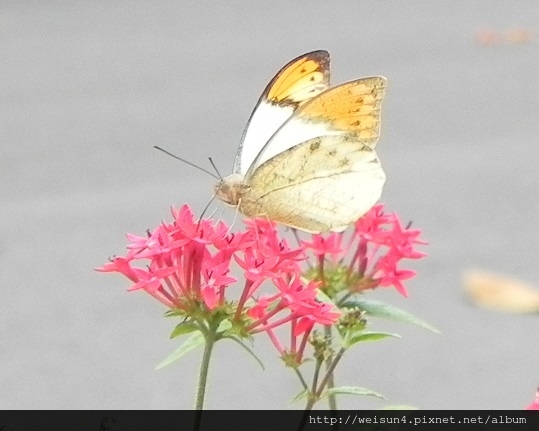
[306,157]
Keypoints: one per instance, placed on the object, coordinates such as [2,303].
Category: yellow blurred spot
[500,293]
[519,35]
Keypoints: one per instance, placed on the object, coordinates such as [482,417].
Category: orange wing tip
[301,79]
[500,293]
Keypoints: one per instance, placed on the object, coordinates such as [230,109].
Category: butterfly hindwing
[352,108]
[296,83]
[325,183]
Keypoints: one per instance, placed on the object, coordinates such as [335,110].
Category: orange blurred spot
[487,37]
[501,293]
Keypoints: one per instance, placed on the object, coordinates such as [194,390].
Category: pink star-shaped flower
[387,273]
[321,245]
[402,241]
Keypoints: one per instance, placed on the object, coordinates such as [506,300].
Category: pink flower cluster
[186,266]
[535,403]
[377,245]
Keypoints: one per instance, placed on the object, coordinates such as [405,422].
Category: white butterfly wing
[297,82]
[325,183]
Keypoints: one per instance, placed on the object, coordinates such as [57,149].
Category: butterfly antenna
[188,162]
[215,167]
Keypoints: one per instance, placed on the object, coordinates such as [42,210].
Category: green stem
[314,396]
[312,399]
[310,402]
[301,379]
[210,339]
[329,373]
[343,299]
[315,376]
[332,399]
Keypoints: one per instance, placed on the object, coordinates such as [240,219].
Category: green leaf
[362,336]
[192,342]
[175,313]
[242,344]
[224,329]
[183,328]
[383,310]
[225,325]
[353,390]
[303,394]
[403,407]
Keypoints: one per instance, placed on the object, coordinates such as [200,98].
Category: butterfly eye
[229,192]
[220,189]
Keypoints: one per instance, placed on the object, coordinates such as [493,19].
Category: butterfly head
[231,189]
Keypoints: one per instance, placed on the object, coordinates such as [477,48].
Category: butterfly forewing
[297,82]
[353,107]
[349,108]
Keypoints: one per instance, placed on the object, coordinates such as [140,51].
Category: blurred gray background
[86,89]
